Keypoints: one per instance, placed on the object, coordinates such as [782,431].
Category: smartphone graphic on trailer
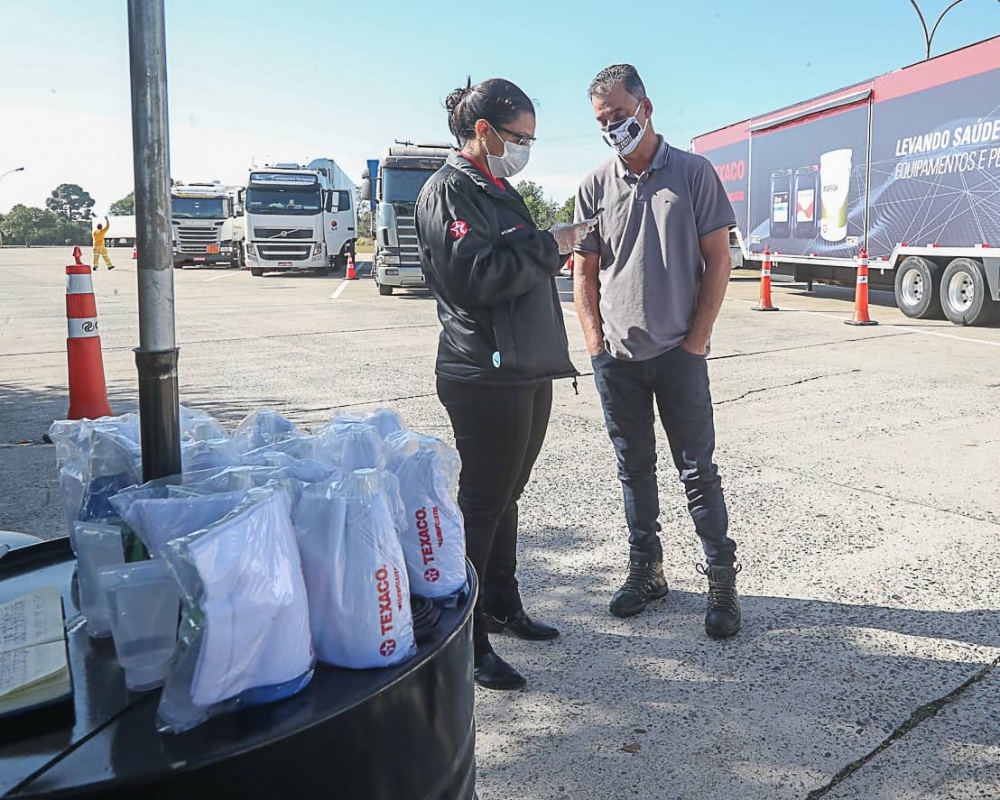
[781,193]
[805,190]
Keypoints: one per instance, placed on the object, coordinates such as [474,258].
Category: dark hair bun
[457,96]
[496,100]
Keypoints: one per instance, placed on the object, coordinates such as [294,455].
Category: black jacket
[493,275]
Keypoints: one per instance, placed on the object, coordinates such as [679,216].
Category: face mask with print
[514,159]
[624,136]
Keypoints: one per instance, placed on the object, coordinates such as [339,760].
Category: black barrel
[404,732]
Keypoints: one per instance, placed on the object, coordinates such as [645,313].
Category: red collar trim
[495,181]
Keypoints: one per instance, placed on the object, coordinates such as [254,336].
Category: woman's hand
[569,235]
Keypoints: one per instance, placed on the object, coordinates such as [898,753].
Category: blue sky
[300,79]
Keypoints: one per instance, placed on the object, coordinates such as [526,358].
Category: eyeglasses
[517,138]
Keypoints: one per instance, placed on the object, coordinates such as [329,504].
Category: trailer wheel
[918,288]
[385,291]
[965,294]
[257,272]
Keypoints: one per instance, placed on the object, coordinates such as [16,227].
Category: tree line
[65,220]
[545,211]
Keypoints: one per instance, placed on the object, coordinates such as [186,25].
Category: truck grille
[284,252]
[406,232]
[197,240]
[276,233]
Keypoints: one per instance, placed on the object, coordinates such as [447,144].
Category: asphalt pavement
[860,466]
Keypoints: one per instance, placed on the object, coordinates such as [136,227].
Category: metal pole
[156,356]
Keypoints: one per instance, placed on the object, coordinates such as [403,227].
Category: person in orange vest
[99,248]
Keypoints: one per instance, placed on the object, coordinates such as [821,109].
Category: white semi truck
[402,173]
[207,224]
[299,217]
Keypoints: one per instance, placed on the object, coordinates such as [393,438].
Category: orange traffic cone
[352,274]
[88,394]
[765,303]
[861,294]
[135,251]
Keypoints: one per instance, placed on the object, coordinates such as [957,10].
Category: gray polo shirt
[647,236]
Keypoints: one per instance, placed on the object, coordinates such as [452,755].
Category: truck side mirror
[328,201]
[366,188]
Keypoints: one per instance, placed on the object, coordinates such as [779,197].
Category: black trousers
[499,433]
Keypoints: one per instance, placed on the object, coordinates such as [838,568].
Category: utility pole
[156,356]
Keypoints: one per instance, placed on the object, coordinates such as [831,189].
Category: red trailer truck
[906,164]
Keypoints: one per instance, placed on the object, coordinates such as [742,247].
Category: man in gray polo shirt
[649,283]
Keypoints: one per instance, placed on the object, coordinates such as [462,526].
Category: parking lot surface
[860,465]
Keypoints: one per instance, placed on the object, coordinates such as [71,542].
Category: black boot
[522,626]
[645,582]
[723,617]
[492,672]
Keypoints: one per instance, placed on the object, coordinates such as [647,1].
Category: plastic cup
[98,545]
[143,606]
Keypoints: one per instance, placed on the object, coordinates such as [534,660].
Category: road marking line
[883,326]
[220,277]
[340,289]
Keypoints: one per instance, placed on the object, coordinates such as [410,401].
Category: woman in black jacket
[503,341]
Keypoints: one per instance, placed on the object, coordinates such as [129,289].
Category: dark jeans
[678,383]
[498,432]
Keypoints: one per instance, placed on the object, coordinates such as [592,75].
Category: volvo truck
[401,175]
[207,224]
[906,165]
[299,217]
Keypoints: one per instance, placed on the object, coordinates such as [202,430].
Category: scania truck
[207,224]
[299,217]
[402,173]
[906,165]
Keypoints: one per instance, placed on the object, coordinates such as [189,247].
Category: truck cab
[297,218]
[207,226]
[393,192]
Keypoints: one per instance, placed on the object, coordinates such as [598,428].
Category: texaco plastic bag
[200,426]
[386,421]
[244,637]
[355,573]
[263,428]
[203,454]
[433,535]
[157,512]
[353,445]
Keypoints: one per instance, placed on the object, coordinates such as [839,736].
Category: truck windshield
[282,200]
[199,208]
[403,185]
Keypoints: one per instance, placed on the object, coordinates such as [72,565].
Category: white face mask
[624,136]
[514,159]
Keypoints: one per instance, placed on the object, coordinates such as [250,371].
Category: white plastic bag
[359,595]
[433,536]
[263,428]
[307,447]
[159,513]
[95,459]
[386,421]
[354,445]
[200,426]
[203,454]
[244,636]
